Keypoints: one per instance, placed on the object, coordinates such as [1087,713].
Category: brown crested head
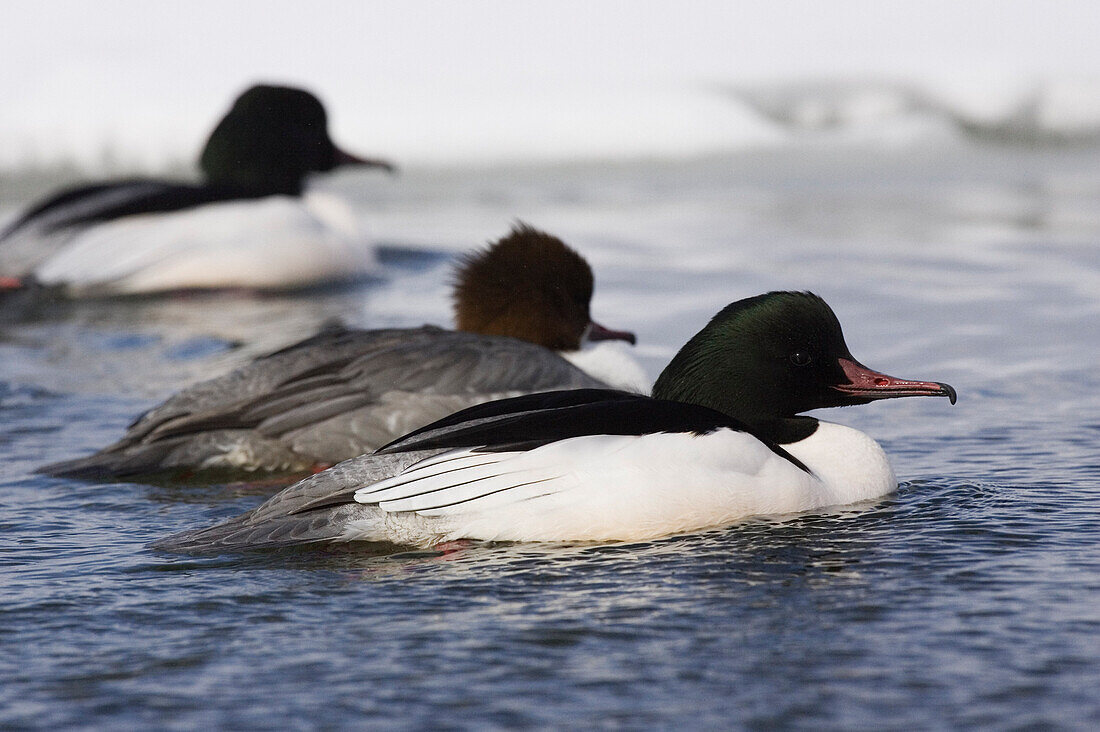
[527,285]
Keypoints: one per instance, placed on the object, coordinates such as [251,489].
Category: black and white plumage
[249,223]
[715,444]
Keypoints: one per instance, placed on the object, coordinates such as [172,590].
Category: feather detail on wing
[291,387]
[460,481]
[336,395]
[315,509]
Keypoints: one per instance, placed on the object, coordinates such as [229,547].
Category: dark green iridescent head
[774,356]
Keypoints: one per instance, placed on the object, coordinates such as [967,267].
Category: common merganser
[249,224]
[719,440]
[518,304]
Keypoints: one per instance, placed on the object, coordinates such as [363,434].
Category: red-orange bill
[869,384]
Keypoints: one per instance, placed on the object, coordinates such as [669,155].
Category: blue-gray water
[970,598]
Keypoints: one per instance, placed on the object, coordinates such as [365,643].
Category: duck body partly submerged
[523,304]
[248,224]
[602,465]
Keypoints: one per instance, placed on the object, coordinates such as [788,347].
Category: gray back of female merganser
[346,392]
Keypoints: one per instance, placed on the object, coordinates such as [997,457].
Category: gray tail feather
[244,533]
[107,464]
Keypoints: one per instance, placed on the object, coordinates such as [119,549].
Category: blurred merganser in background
[521,309]
[719,440]
[249,224]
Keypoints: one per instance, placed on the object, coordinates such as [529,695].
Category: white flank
[272,242]
[620,488]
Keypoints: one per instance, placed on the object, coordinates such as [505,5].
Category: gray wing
[316,509]
[339,394]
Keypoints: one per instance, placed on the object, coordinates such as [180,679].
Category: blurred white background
[132,84]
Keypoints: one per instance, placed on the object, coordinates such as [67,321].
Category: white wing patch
[460,481]
[594,486]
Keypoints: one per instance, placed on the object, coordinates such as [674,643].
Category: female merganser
[719,440]
[249,224]
[518,304]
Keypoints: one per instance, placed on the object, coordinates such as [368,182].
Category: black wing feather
[100,202]
[520,405]
[556,415]
[526,422]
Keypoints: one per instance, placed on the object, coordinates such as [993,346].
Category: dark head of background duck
[270,140]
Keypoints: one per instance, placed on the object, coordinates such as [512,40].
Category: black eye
[801,358]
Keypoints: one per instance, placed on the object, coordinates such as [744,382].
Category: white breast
[851,465]
[272,242]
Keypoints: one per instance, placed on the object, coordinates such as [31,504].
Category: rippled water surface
[969,598]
